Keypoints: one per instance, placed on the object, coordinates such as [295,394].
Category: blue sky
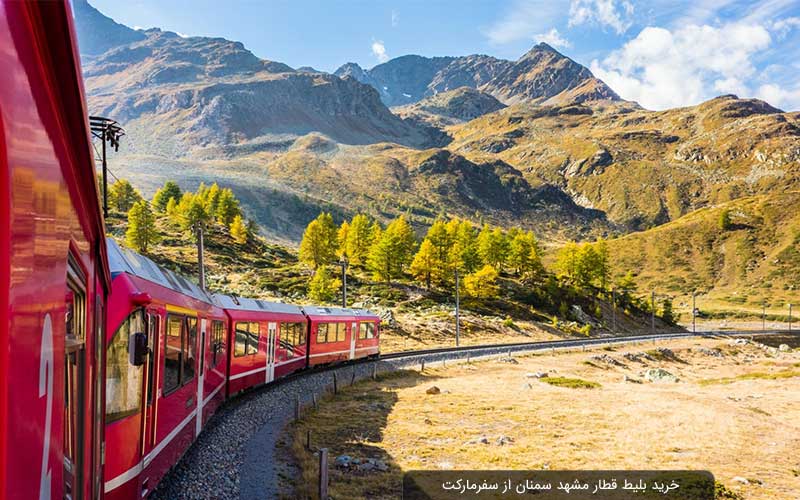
[661,53]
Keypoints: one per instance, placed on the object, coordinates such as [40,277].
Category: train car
[166,370]
[268,340]
[53,272]
[338,334]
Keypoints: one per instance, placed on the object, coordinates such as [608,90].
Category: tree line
[393,252]
[188,210]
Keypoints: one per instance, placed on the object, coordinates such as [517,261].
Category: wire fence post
[458,323]
[694,312]
[335,384]
[614,309]
[323,474]
[308,439]
[653,311]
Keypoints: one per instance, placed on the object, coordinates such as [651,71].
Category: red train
[175,353]
[53,273]
[105,382]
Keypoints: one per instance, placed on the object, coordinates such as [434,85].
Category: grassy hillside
[735,270]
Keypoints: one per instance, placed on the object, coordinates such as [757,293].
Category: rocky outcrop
[451,107]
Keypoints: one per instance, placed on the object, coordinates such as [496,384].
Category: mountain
[542,75]
[200,91]
[643,168]
[735,269]
[98,33]
[451,107]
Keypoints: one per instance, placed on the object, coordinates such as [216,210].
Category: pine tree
[122,195]
[227,207]
[603,272]
[142,232]
[323,287]
[493,247]
[725,220]
[464,253]
[341,240]
[191,211]
[169,191]
[319,244]
[567,260]
[239,230]
[523,254]
[482,284]
[393,251]
[441,241]
[211,199]
[422,267]
[359,239]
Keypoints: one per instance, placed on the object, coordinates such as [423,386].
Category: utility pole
[458,323]
[106,130]
[694,311]
[614,309]
[105,174]
[653,311]
[200,252]
[343,263]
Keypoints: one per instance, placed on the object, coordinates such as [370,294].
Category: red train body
[108,375]
[199,348]
[52,263]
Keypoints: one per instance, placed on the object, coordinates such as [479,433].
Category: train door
[201,382]
[353,336]
[74,380]
[272,329]
[150,386]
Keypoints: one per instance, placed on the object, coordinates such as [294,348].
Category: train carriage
[268,340]
[336,334]
[53,273]
[166,370]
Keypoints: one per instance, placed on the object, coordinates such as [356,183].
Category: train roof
[124,260]
[337,311]
[247,304]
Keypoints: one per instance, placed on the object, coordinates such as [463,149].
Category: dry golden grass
[748,427]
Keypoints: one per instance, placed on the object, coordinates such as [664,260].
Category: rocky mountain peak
[97,33]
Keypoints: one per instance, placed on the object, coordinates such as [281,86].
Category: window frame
[184,351]
[122,415]
[217,338]
[249,340]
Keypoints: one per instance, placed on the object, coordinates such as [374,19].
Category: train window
[190,348]
[123,380]
[152,339]
[252,344]
[366,331]
[341,331]
[173,353]
[247,334]
[240,346]
[217,337]
[322,333]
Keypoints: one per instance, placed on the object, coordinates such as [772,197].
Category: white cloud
[663,69]
[522,20]
[379,51]
[554,38]
[779,96]
[782,27]
[395,18]
[606,13]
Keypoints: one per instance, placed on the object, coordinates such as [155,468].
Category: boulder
[343,461]
[536,375]
[659,375]
[433,390]
[784,348]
